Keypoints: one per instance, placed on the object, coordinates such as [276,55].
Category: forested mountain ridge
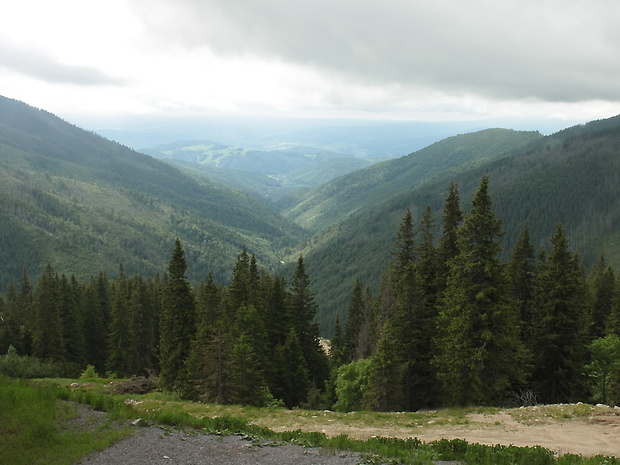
[364,189]
[571,176]
[87,204]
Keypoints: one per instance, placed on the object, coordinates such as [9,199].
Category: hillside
[571,176]
[354,193]
[85,204]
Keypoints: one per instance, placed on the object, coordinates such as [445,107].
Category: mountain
[85,204]
[571,176]
[266,173]
[328,204]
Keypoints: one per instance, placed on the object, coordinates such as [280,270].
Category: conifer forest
[451,324]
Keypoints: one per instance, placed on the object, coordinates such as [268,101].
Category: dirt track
[597,433]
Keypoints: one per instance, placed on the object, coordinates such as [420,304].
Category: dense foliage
[570,177]
[453,324]
[253,342]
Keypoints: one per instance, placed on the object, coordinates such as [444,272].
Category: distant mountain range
[266,173]
[85,204]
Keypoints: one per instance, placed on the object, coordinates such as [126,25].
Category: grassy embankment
[33,419]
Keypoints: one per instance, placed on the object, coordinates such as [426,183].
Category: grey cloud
[544,49]
[37,65]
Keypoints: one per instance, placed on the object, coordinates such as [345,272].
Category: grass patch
[31,429]
[32,416]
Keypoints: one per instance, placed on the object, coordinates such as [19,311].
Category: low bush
[14,365]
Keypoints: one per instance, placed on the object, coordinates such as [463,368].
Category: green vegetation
[86,204]
[568,177]
[366,189]
[33,427]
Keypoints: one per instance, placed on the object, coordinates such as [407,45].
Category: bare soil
[597,433]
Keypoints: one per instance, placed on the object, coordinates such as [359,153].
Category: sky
[406,60]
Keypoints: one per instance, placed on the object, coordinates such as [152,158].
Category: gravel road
[156,446]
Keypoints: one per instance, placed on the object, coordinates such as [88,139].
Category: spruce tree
[407,318]
[302,311]
[613,321]
[247,372]
[24,313]
[479,352]
[387,371]
[72,321]
[293,377]
[602,288]
[277,313]
[47,329]
[9,323]
[219,384]
[240,290]
[521,272]
[209,310]
[448,242]
[122,357]
[97,301]
[561,324]
[353,325]
[426,275]
[177,324]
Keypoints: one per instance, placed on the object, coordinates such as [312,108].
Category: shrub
[351,383]
[89,373]
[22,366]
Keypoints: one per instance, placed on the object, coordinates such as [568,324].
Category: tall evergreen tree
[97,302]
[47,328]
[240,291]
[9,323]
[24,313]
[122,356]
[177,324]
[293,376]
[561,324]
[209,317]
[521,272]
[480,356]
[219,384]
[72,321]
[353,325]
[602,288]
[303,310]
[385,386]
[613,322]
[407,325]
[448,242]
[426,274]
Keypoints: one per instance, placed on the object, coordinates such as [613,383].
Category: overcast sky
[442,60]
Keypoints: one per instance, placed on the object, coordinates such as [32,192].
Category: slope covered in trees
[252,342]
[460,326]
[84,203]
[571,176]
[452,324]
[367,188]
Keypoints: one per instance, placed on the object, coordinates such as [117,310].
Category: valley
[86,204]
